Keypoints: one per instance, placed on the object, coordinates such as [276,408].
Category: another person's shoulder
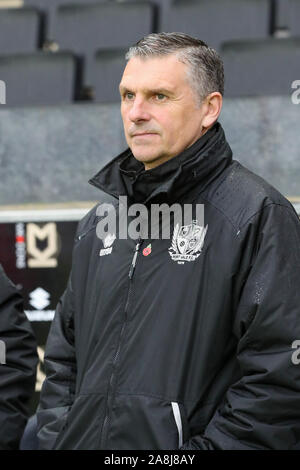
[7,287]
[240,194]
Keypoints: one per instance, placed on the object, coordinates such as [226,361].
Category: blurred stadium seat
[40,78]
[216,21]
[281,17]
[19,30]
[107,73]
[87,28]
[49,7]
[261,67]
[294,17]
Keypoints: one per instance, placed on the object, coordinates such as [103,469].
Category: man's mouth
[143,134]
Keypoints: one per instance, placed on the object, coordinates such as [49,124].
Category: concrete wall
[264,136]
[47,154]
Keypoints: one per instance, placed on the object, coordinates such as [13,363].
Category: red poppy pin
[147,250]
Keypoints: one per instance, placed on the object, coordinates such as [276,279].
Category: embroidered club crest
[187,242]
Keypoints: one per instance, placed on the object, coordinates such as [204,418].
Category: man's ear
[213,105]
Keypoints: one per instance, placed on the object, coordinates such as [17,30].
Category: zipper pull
[133,262]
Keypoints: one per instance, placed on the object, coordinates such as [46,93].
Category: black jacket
[180,352]
[18,364]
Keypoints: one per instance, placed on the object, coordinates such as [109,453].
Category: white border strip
[54,215]
[59,215]
[297,207]
[11,3]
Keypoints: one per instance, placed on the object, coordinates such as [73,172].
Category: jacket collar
[197,165]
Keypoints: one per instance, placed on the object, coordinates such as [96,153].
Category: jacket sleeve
[58,389]
[18,365]
[262,409]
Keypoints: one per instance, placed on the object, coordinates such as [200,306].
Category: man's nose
[138,110]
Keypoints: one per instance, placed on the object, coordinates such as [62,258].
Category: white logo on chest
[107,242]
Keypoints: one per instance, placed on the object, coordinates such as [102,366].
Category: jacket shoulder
[241,193]
[89,221]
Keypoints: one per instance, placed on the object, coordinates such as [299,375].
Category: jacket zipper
[112,382]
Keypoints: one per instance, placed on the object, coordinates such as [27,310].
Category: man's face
[159,109]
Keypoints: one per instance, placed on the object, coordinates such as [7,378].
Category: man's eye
[129,96]
[160,96]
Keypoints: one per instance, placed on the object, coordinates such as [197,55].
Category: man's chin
[150,161]
[145,157]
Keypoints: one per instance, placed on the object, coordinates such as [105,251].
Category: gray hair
[205,66]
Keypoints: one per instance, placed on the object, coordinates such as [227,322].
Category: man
[18,362]
[186,342]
